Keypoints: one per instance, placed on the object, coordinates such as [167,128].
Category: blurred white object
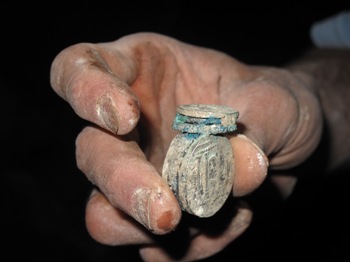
[332,32]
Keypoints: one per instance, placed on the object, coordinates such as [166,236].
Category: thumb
[250,165]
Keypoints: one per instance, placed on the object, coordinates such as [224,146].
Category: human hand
[130,90]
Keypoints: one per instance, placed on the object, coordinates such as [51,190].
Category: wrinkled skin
[129,90]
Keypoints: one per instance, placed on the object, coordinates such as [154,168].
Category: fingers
[130,183]
[250,165]
[111,226]
[281,116]
[205,245]
[81,75]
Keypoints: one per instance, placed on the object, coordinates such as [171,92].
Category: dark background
[43,194]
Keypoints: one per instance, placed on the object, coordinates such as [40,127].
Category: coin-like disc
[227,114]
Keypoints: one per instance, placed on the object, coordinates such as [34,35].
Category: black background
[43,194]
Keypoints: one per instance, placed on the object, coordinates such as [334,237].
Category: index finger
[81,74]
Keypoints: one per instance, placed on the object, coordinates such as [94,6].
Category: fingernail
[107,113]
[157,211]
[141,206]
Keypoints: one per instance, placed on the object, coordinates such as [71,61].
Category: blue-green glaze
[193,125]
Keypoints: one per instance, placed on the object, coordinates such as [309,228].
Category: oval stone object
[199,166]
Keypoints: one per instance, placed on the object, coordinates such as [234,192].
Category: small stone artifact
[199,163]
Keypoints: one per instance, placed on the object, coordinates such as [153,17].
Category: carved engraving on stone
[199,165]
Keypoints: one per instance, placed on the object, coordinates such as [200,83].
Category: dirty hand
[129,90]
